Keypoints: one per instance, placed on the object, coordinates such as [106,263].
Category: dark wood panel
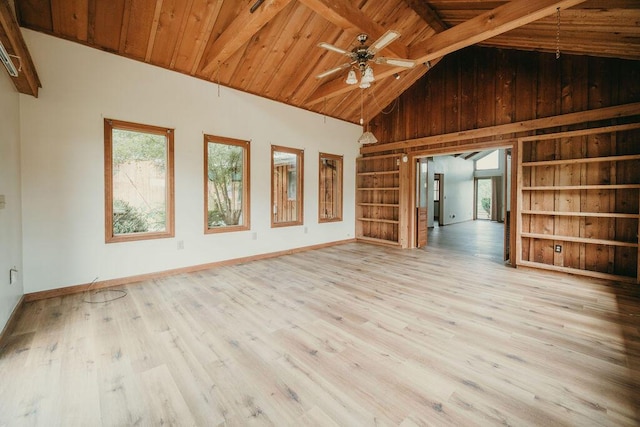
[508,86]
[37,13]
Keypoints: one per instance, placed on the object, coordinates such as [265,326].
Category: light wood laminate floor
[479,238]
[352,335]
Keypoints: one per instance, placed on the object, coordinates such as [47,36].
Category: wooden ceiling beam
[509,16]
[240,31]
[617,111]
[513,14]
[427,14]
[343,14]
[27,81]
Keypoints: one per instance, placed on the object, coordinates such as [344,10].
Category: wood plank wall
[480,87]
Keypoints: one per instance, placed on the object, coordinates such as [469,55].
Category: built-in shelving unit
[579,202]
[378,199]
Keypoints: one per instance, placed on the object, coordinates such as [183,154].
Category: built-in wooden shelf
[579,240]
[386,221]
[378,198]
[589,273]
[581,196]
[584,214]
[378,173]
[378,241]
[582,187]
[378,188]
[583,160]
[385,205]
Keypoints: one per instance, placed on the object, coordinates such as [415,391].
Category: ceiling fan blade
[333,70]
[383,41]
[398,62]
[333,48]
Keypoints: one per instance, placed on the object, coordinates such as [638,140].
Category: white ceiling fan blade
[383,41]
[406,63]
[333,70]
[333,48]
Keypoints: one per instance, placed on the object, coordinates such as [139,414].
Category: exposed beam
[625,110]
[343,14]
[240,31]
[27,81]
[427,14]
[513,14]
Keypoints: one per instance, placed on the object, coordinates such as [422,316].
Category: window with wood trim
[286,186]
[226,184]
[139,185]
[330,188]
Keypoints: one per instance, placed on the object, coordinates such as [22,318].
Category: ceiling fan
[360,57]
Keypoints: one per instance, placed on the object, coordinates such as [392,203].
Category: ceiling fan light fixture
[367,138]
[364,84]
[351,78]
[367,76]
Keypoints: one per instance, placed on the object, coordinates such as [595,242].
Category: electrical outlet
[558,248]
[254,236]
[180,244]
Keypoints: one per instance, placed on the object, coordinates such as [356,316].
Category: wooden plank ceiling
[273,51]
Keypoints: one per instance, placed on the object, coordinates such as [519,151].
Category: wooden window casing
[239,186]
[330,174]
[287,193]
[169,205]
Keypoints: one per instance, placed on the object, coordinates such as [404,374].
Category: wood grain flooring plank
[354,334]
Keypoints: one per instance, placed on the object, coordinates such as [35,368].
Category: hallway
[479,238]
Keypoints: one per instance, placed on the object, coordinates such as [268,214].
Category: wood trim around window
[246,184]
[109,126]
[339,189]
[299,186]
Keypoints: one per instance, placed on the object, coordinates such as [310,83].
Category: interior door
[421,197]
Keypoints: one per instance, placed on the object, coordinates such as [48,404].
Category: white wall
[458,188]
[62,165]
[10,216]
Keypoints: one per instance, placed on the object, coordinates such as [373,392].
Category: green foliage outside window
[225,189]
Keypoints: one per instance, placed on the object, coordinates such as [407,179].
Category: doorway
[473,193]
[438,202]
[483,198]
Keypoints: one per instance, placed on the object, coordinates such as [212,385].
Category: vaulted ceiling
[270,47]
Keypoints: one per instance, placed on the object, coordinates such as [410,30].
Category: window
[286,186]
[490,161]
[330,190]
[436,189]
[226,184]
[138,162]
